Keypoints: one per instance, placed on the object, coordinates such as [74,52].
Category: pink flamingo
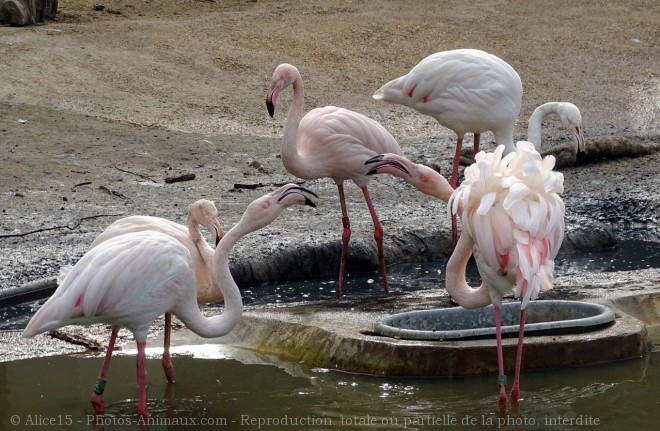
[334,143]
[131,279]
[513,221]
[201,212]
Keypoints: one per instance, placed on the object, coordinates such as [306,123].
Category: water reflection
[214,393]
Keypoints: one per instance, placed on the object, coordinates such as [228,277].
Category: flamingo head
[204,212]
[284,75]
[571,117]
[422,177]
[264,210]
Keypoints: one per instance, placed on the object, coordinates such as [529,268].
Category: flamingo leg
[166,361]
[515,390]
[477,139]
[501,377]
[453,181]
[142,379]
[378,236]
[99,387]
[345,237]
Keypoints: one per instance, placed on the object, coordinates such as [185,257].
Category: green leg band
[501,379]
[99,386]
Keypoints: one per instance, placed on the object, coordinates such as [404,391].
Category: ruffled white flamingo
[513,224]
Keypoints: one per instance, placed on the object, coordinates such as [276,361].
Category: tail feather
[46,318]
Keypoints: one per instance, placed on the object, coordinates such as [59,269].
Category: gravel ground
[98,108]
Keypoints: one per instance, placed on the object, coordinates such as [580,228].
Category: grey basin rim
[599,315]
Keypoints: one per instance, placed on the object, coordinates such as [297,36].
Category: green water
[220,387]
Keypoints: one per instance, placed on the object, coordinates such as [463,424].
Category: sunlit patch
[197,351]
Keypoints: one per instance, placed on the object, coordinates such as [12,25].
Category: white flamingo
[513,223]
[472,91]
[131,279]
[334,143]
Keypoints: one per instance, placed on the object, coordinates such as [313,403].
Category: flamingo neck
[457,285]
[291,158]
[534,124]
[205,250]
[217,326]
[440,187]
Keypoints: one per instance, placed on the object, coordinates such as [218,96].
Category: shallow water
[629,255]
[238,390]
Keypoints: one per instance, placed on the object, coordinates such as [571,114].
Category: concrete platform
[339,334]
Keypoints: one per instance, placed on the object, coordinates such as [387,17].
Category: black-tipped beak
[581,155]
[218,237]
[375,159]
[298,190]
[383,162]
[270,107]
[580,158]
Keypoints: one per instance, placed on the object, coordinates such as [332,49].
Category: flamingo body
[201,212]
[331,142]
[466,90]
[131,279]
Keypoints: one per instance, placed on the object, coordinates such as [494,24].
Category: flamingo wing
[127,280]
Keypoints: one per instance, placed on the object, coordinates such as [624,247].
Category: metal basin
[543,318]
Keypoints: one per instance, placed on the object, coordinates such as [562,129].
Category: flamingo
[570,117]
[331,142]
[466,90]
[201,212]
[472,91]
[513,220]
[131,279]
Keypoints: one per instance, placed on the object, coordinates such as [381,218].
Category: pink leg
[477,138]
[99,387]
[142,379]
[515,390]
[167,362]
[453,181]
[501,377]
[378,236]
[345,237]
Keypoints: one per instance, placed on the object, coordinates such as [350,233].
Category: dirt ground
[98,108]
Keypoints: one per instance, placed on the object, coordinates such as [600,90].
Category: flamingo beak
[219,233]
[383,163]
[271,97]
[581,145]
[271,108]
[298,190]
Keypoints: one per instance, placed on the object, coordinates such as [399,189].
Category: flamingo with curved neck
[131,279]
[200,213]
[334,143]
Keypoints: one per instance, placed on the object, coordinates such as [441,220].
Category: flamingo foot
[97,396]
[168,368]
[98,404]
[515,394]
[502,402]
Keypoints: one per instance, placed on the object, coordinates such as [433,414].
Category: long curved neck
[534,124]
[291,158]
[217,326]
[205,250]
[455,281]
